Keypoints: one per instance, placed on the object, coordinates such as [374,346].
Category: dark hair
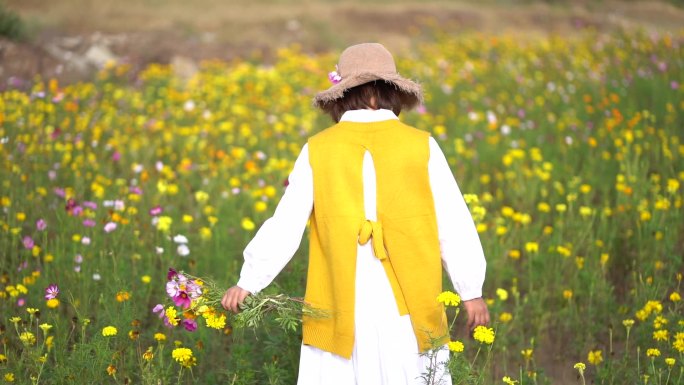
[385,94]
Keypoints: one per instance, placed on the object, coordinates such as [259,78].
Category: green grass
[572,147]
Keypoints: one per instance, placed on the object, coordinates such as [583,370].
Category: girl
[384,207]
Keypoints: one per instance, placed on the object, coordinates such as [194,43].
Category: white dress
[385,348]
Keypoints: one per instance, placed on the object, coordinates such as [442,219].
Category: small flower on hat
[334,77]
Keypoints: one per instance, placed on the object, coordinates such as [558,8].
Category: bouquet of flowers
[196,298]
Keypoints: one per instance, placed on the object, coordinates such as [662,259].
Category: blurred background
[71,39]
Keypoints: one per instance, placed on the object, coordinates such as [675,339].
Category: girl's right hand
[233,298]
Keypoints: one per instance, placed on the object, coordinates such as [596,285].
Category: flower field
[569,151]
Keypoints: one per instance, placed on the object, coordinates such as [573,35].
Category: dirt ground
[71,39]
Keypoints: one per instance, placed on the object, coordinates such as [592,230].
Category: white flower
[159,250]
[180,239]
[96,277]
[85,240]
[183,250]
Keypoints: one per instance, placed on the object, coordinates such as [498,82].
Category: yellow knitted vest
[406,225]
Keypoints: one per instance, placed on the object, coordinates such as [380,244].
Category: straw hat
[363,63]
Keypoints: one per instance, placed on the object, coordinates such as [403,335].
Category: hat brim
[336,91]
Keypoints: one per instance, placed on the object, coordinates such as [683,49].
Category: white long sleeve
[279,237]
[462,254]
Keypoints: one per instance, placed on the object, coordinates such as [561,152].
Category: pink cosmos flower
[159,310]
[89,222]
[190,325]
[171,274]
[334,76]
[182,299]
[41,225]
[90,205]
[156,211]
[28,242]
[172,288]
[109,227]
[51,291]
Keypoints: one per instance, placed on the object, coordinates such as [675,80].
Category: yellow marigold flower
[661,335]
[133,334]
[21,216]
[641,315]
[15,320]
[9,377]
[205,233]
[670,361]
[595,357]
[45,327]
[188,218]
[247,224]
[201,196]
[456,346]
[580,366]
[548,230]
[653,306]
[449,298]
[164,223]
[49,342]
[604,258]
[470,198]
[109,331]
[652,352]
[502,294]
[672,185]
[183,356]
[561,207]
[172,315]
[484,335]
[260,206]
[586,211]
[27,338]
[514,254]
[543,207]
[505,317]
[675,297]
[123,296]
[509,381]
[52,303]
[111,370]
[216,322]
[31,310]
[659,321]
[527,354]
[628,323]
[507,211]
[567,294]
[3,358]
[159,337]
[148,355]
[146,279]
[531,247]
